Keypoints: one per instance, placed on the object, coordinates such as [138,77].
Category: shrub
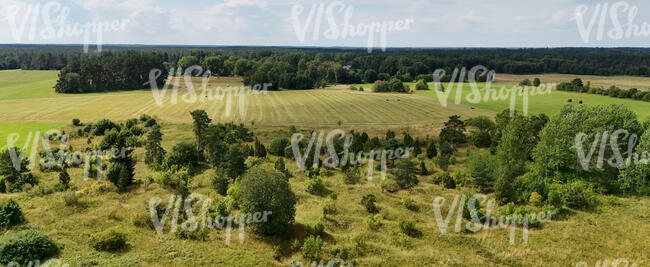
[109,240]
[535,199]
[447,181]
[405,173]
[389,185]
[278,145]
[352,175]
[315,185]
[102,126]
[76,122]
[143,220]
[555,199]
[329,207]
[255,195]
[576,197]
[380,86]
[373,222]
[368,201]
[410,204]
[312,248]
[183,154]
[408,228]
[70,198]
[421,85]
[11,215]
[220,182]
[199,234]
[25,246]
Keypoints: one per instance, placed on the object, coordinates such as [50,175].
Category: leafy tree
[408,140]
[266,190]
[278,146]
[454,131]
[187,61]
[201,122]
[484,126]
[421,85]
[279,166]
[536,82]
[215,145]
[481,172]
[370,76]
[182,154]
[214,64]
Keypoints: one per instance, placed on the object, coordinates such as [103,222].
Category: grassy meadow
[618,227]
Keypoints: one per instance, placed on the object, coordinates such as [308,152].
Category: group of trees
[109,71]
[578,86]
[306,68]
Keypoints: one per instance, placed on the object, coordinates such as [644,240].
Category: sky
[416,23]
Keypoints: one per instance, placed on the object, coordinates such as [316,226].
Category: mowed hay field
[321,107]
[623,82]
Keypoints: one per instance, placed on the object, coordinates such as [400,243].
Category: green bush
[329,207]
[10,215]
[26,245]
[576,196]
[76,122]
[313,247]
[278,146]
[389,185]
[535,199]
[555,199]
[317,230]
[109,240]
[373,222]
[408,228]
[70,198]
[447,181]
[197,235]
[410,204]
[368,201]
[352,175]
[220,182]
[315,185]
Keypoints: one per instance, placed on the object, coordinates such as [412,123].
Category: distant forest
[304,68]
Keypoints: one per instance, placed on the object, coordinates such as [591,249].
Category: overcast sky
[432,23]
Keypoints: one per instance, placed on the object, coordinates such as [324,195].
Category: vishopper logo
[335,159]
[226,96]
[619,29]
[203,221]
[58,157]
[622,262]
[48,20]
[332,13]
[37,263]
[479,221]
[605,138]
[459,77]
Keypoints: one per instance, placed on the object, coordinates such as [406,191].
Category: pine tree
[235,162]
[260,150]
[279,165]
[154,152]
[201,122]
[423,168]
[431,150]
[64,178]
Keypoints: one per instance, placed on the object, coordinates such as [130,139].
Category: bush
[535,199]
[109,240]
[198,234]
[102,126]
[421,85]
[312,248]
[352,175]
[317,230]
[76,122]
[555,199]
[220,182]
[25,246]
[70,198]
[373,222]
[410,204]
[329,207]
[183,154]
[315,185]
[576,197]
[389,185]
[11,215]
[254,195]
[278,146]
[447,181]
[408,228]
[368,201]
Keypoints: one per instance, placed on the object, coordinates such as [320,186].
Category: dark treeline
[578,86]
[304,68]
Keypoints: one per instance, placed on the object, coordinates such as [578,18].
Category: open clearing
[624,82]
[321,107]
